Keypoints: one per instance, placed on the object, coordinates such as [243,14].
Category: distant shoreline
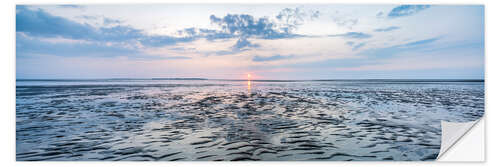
[201,79]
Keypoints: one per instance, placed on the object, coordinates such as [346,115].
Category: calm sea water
[171,120]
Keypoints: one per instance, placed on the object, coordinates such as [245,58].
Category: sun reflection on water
[249,83]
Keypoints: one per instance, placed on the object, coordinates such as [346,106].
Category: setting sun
[248,76]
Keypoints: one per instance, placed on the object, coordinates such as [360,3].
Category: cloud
[35,46]
[344,21]
[314,15]
[349,23]
[108,21]
[244,26]
[41,23]
[100,20]
[244,43]
[391,28]
[380,15]
[419,42]
[26,46]
[176,57]
[247,26]
[415,46]
[38,23]
[222,52]
[356,47]
[182,49]
[290,19]
[376,56]
[355,35]
[270,58]
[406,10]
[158,41]
[88,17]
[70,6]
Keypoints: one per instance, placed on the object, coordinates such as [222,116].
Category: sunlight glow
[249,88]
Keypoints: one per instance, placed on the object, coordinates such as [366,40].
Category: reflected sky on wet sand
[239,120]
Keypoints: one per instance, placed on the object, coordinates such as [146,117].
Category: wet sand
[235,121]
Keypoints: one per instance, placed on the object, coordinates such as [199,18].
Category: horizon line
[257,80]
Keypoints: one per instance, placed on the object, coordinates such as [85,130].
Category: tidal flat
[220,120]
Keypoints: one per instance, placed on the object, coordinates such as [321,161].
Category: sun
[249,76]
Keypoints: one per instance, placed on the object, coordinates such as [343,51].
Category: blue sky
[325,41]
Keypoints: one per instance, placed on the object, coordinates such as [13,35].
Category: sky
[268,41]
